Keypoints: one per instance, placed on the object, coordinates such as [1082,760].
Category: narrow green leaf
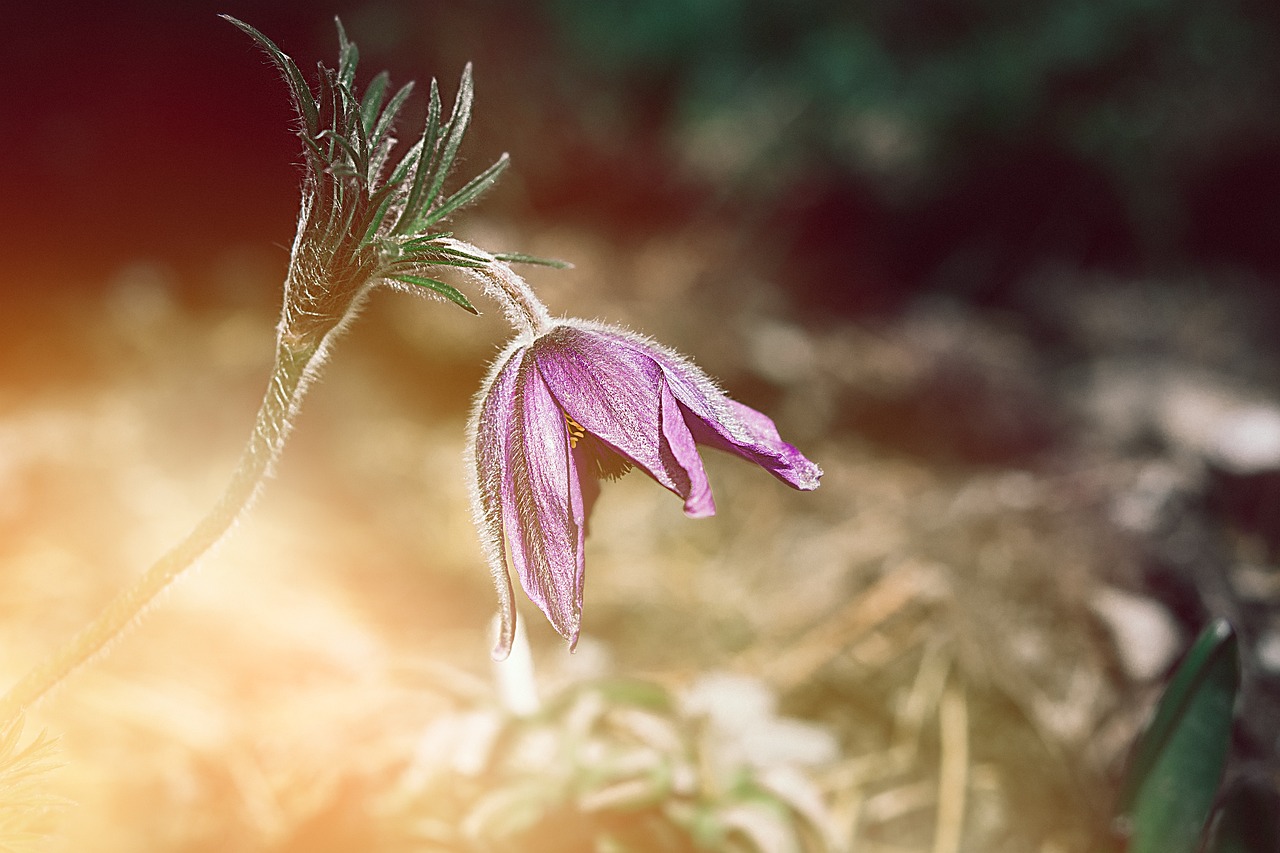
[348,56]
[422,240]
[343,143]
[379,214]
[354,125]
[450,252]
[1179,759]
[388,116]
[373,102]
[521,258]
[383,198]
[472,190]
[343,170]
[302,97]
[431,137]
[422,174]
[416,260]
[313,146]
[448,291]
[459,120]
[327,99]
[406,164]
[334,208]
[440,256]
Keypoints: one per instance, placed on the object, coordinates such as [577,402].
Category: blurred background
[1007,270]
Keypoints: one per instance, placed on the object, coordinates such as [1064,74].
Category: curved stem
[293,365]
[523,308]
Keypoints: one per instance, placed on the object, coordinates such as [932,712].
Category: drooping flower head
[578,402]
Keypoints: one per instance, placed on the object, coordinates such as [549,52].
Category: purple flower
[578,403]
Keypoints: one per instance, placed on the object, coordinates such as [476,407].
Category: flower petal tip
[811,481]
[801,474]
[699,510]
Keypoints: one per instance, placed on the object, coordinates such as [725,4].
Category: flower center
[599,458]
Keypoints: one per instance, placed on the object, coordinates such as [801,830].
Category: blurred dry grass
[934,618]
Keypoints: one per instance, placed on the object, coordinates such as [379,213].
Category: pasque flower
[575,402]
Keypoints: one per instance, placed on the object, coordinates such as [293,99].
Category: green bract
[368,215]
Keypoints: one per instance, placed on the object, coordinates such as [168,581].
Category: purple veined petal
[491,492]
[547,539]
[725,424]
[715,419]
[681,444]
[752,435]
[615,393]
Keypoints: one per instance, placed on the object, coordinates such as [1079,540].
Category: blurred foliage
[619,765]
[910,97]
[26,808]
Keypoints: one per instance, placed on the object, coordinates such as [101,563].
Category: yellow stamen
[576,431]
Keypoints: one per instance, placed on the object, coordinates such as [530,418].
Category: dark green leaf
[1178,761]
[302,98]
[379,214]
[343,170]
[354,123]
[388,117]
[448,291]
[406,164]
[436,259]
[421,241]
[472,190]
[383,197]
[342,142]
[431,136]
[459,120]
[414,201]
[327,100]
[373,102]
[450,252]
[312,146]
[521,258]
[348,56]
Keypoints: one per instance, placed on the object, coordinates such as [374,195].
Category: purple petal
[489,427]
[616,394]
[546,540]
[682,446]
[753,436]
[728,425]
[718,421]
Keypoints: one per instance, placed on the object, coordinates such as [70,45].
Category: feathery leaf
[472,190]
[521,258]
[302,98]
[459,121]
[448,291]
[373,102]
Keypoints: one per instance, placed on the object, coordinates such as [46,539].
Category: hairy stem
[295,363]
[524,310]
